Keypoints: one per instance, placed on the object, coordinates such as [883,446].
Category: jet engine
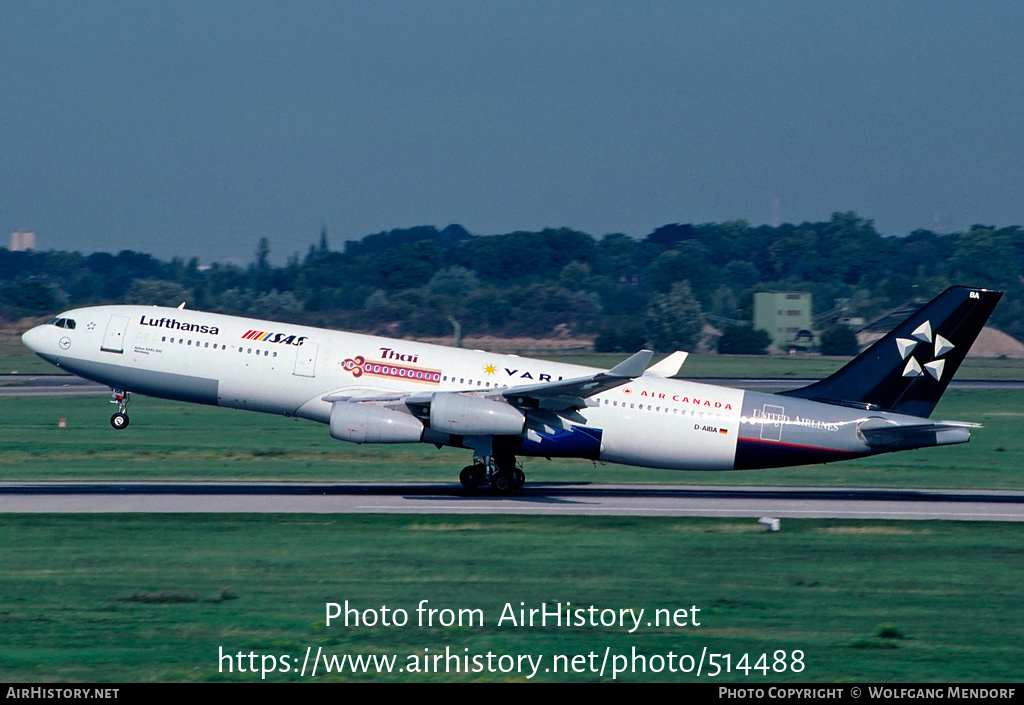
[464,415]
[365,423]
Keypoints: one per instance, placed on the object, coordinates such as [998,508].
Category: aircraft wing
[570,394]
[563,395]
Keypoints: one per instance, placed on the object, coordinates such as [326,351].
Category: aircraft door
[305,361]
[113,339]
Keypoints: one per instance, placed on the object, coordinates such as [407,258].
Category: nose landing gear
[119,420]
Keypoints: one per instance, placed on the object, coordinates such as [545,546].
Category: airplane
[371,389]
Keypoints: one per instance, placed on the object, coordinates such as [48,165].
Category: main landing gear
[119,420]
[502,472]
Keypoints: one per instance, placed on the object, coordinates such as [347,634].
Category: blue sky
[197,128]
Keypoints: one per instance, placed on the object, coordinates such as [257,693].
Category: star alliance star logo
[923,334]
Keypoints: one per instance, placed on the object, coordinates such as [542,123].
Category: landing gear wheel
[119,421]
[503,482]
[518,479]
[472,476]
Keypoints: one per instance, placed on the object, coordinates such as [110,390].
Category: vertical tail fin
[909,369]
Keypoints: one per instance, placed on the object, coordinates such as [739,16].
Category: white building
[22,240]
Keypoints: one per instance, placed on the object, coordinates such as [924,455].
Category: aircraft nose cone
[35,339]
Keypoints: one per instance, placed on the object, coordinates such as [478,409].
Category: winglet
[669,367]
[634,366]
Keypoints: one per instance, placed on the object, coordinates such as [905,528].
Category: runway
[570,499]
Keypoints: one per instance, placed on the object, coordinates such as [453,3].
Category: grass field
[135,598]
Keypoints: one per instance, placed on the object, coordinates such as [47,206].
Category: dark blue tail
[909,369]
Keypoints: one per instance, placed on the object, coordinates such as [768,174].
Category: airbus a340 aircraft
[378,390]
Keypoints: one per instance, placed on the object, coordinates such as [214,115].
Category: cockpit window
[63,323]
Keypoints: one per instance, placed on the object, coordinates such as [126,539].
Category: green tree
[984,258]
[30,298]
[674,320]
[575,276]
[409,266]
[261,269]
[744,340]
[276,302]
[323,249]
[455,282]
[628,339]
[156,292]
[839,340]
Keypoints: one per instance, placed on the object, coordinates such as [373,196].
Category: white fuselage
[280,368]
[378,390]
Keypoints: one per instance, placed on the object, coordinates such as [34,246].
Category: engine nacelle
[464,415]
[366,423]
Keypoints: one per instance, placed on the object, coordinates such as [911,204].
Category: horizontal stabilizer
[886,434]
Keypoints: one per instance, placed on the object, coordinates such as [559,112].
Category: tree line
[623,291]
